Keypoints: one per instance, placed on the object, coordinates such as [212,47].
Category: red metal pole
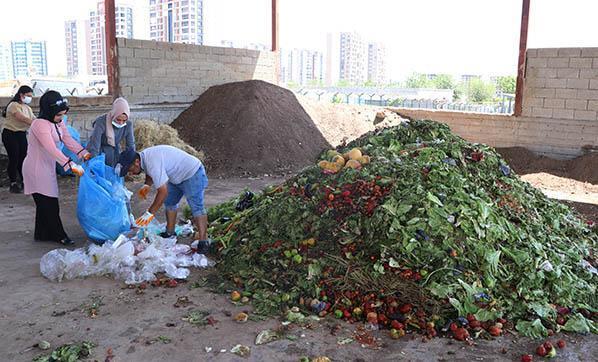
[111,56]
[274,25]
[521,61]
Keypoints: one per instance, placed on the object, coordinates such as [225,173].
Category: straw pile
[151,133]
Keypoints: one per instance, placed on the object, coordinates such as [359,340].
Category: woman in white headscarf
[109,130]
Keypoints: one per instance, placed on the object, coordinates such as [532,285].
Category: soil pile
[417,230]
[583,168]
[342,123]
[251,127]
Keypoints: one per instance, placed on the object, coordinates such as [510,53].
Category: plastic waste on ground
[132,259]
[156,228]
[102,202]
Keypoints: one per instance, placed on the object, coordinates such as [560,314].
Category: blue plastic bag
[102,202]
[68,153]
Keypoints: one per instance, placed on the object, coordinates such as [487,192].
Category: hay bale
[151,133]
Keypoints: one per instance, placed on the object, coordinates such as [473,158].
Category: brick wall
[560,107]
[562,83]
[157,72]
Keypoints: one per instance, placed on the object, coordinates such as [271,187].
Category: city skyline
[29,58]
[467,36]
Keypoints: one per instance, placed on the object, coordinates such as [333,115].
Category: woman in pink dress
[39,167]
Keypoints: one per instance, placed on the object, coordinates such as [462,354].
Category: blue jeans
[193,188]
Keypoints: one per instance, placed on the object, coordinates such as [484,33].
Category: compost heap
[250,127]
[432,230]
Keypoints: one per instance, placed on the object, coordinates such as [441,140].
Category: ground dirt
[131,324]
[583,168]
[574,182]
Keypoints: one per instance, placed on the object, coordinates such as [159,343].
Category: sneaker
[167,235]
[15,189]
[203,246]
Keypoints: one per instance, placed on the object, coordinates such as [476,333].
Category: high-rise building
[29,58]
[352,58]
[176,21]
[301,66]
[331,74]
[96,33]
[318,67]
[377,63]
[75,32]
[5,63]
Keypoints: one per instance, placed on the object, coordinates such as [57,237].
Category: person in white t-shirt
[173,173]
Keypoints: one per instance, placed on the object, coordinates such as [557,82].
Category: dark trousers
[48,226]
[16,148]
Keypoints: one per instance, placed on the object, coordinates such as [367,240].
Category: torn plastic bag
[102,202]
[77,264]
[52,264]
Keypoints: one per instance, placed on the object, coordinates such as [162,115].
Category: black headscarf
[50,104]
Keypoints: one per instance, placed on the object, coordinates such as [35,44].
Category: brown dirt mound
[250,128]
[523,161]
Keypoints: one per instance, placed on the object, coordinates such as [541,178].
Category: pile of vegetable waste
[427,233]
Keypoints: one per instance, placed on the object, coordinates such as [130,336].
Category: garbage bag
[102,202]
[52,264]
[68,153]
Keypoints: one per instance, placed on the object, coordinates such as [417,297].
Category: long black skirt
[48,226]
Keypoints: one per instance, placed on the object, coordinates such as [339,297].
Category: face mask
[27,100]
[65,118]
[118,125]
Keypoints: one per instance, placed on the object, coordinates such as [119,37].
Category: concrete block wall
[562,83]
[157,72]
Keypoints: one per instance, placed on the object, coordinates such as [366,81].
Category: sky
[426,36]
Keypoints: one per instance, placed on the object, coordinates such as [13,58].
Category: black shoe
[166,235]
[15,189]
[203,247]
[66,241]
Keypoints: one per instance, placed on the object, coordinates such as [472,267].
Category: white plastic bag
[52,264]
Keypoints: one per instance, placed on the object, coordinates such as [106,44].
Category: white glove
[77,169]
[145,219]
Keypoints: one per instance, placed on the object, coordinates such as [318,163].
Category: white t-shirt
[168,164]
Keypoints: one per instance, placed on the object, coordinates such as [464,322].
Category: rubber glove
[145,219]
[77,169]
[143,191]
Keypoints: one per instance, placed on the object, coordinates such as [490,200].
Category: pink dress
[39,167]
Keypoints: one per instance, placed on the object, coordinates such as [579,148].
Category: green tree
[506,84]
[337,99]
[292,85]
[315,83]
[459,91]
[417,80]
[444,81]
[479,91]
[343,83]
[369,83]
